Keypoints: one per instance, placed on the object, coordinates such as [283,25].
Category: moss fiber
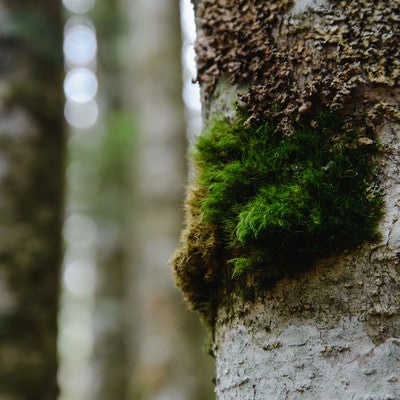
[280,203]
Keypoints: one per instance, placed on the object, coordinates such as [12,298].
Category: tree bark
[31,203]
[333,330]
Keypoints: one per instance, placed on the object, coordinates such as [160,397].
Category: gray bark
[332,332]
[31,205]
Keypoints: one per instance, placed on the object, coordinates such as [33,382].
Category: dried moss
[195,261]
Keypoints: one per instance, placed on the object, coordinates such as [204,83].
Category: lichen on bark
[330,56]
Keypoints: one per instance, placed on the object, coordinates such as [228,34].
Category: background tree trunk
[332,332]
[165,356]
[31,201]
[112,208]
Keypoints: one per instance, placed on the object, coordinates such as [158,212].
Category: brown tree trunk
[31,201]
[332,330]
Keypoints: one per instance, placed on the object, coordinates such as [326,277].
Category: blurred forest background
[123,114]
[124,330]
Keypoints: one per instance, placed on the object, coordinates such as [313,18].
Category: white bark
[300,6]
[303,361]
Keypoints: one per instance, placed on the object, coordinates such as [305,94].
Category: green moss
[280,203]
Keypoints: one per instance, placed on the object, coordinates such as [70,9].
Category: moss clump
[196,260]
[280,203]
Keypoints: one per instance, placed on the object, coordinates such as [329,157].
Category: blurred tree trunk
[111,208]
[31,200]
[165,357]
[333,331]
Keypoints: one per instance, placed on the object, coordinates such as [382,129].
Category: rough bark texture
[331,332]
[31,206]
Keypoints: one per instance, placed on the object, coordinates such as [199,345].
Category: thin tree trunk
[112,211]
[331,330]
[31,206]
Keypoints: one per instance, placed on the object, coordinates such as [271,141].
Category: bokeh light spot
[78,6]
[80,85]
[81,115]
[80,44]
[79,277]
[80,230]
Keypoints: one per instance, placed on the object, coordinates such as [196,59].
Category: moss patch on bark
[313,83]
[273,205]
[281,203]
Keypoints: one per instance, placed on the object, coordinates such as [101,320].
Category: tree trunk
[307,315]
[165,356]
[31,206]
[111,211]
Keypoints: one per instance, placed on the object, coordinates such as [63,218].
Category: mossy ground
[280,203]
